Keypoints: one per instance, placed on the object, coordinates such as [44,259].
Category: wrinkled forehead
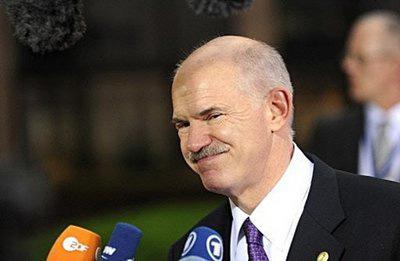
[192,77]
[194,87]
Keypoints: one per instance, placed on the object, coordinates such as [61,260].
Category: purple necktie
[254,240]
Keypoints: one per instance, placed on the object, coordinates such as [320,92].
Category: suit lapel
[311,239]
[321,216]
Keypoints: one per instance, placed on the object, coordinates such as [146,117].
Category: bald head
[259,66]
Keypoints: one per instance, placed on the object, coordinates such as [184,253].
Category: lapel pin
[323,256]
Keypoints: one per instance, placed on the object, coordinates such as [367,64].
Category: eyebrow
[208,111]
[201,113]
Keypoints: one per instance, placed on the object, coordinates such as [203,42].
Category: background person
[366,140]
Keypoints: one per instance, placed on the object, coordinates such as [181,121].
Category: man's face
[223,132]
[367,64]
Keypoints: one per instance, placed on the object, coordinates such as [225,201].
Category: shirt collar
[376,115]
[275,214]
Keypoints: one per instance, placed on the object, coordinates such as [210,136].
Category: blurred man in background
[233,108]
[366,140]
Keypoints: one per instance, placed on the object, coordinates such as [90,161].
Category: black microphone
[219,8]
[46,25]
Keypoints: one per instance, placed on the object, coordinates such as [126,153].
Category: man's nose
[198,137]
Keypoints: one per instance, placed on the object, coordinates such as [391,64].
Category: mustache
[210,150]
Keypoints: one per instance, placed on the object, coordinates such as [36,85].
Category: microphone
[123,243]
[218,8]
[203,244]
[46,25]
[75,243]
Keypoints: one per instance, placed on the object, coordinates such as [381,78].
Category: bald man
[233,109]
[367,138]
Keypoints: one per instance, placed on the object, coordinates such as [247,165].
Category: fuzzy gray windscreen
[46,25]
[219,8]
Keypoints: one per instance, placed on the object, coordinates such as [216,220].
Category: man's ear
[280,102]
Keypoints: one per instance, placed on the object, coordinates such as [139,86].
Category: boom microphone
[123,243]
[219,8]
[75,243]
[203,244]
[46,25]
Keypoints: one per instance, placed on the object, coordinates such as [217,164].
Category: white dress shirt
[277,215]
[374,116]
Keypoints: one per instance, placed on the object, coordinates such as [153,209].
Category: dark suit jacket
[336,140]
[349,216]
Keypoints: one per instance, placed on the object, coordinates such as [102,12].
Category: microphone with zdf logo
[76,243]
[203,244]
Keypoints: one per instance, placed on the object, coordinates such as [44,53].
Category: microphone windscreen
[202,244]
[123,243]
[75,243]
[46,25]
[219,8]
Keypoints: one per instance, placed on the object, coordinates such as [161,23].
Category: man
[367,140]
[233,108]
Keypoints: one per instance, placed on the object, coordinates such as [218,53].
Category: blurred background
[85,137]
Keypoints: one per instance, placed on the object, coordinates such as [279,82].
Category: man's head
[232,107]
[372,61]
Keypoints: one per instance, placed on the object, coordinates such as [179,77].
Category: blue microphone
[123,243]
[203,244]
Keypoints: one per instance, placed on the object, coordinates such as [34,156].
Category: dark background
[85,131]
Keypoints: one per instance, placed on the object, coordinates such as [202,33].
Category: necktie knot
[253,235]
[254,240]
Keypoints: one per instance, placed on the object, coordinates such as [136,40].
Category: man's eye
[180,125]
[213,116]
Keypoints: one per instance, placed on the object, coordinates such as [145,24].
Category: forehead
[195,89]
[368,36]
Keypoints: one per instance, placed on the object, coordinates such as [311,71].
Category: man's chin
[357,95]
[215,186]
